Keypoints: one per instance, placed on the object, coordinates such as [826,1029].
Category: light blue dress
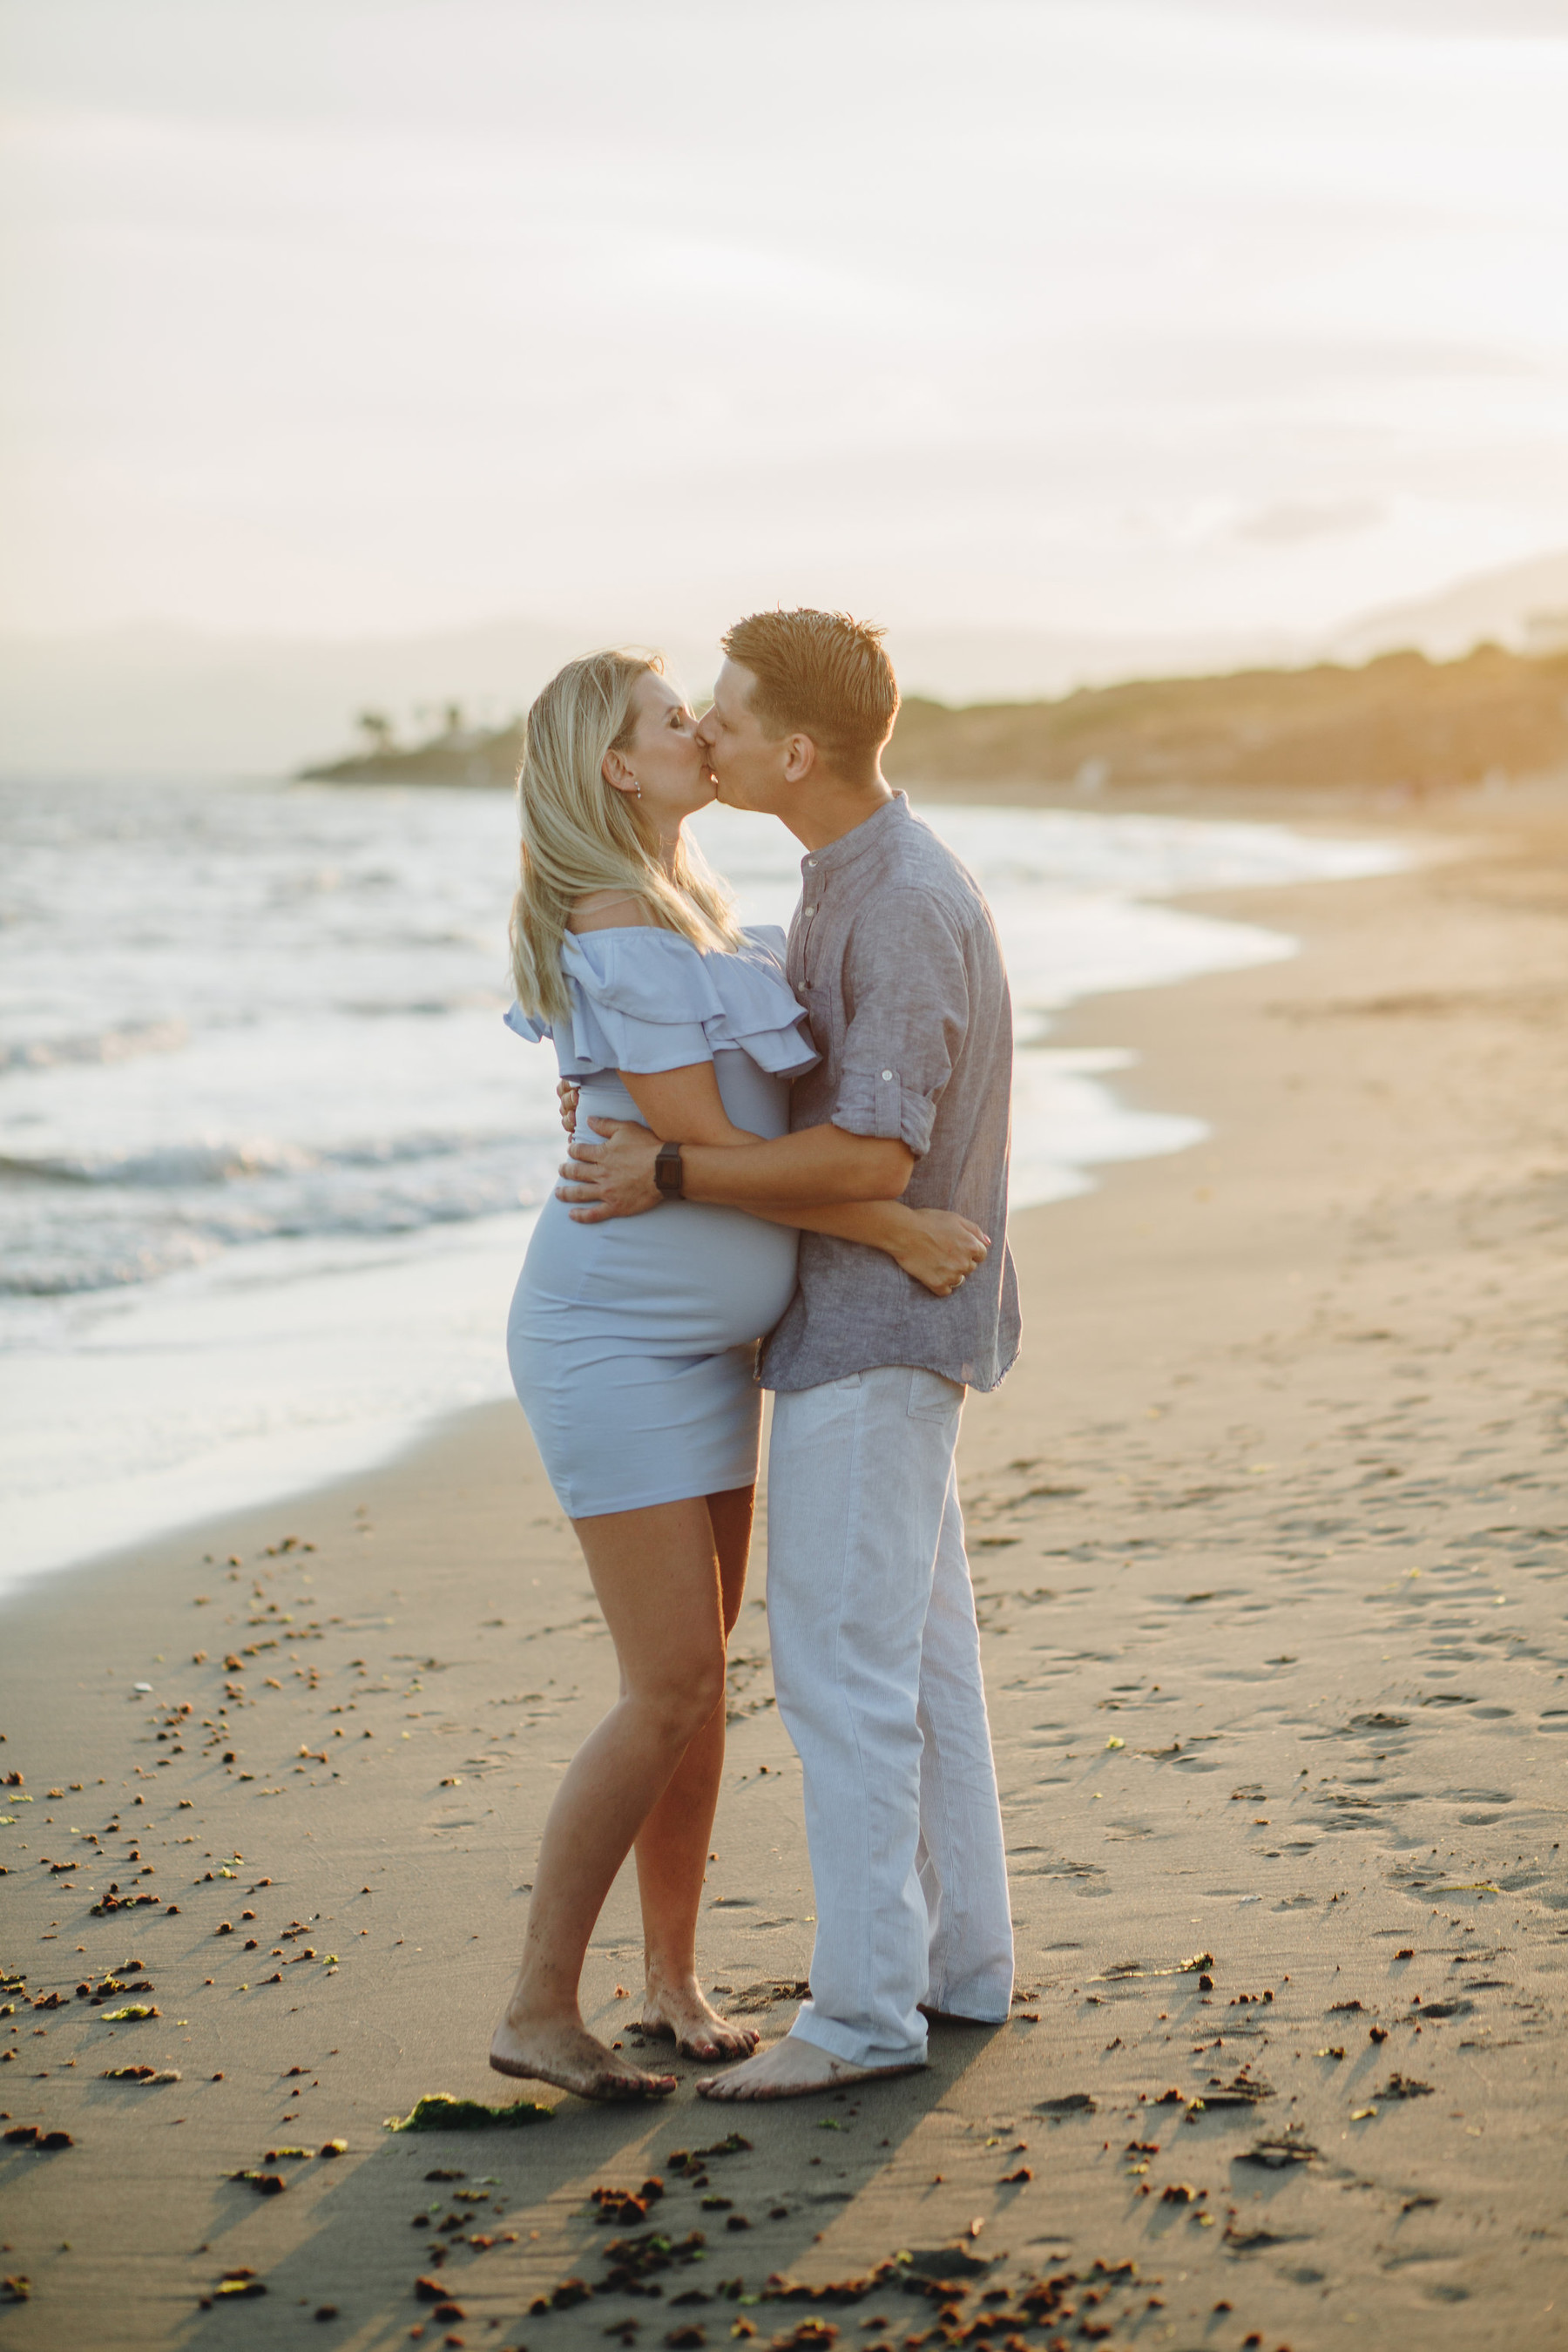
[633,1343]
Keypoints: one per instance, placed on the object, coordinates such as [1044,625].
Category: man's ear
[800,759]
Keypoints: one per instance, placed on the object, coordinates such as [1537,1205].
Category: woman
[632,1343]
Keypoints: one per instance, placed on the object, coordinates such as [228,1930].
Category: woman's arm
[684,1103]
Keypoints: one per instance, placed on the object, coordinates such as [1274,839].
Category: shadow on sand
[510,2223]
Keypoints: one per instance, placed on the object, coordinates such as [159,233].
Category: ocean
[269,1158]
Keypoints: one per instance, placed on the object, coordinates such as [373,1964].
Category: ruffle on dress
[645,1000]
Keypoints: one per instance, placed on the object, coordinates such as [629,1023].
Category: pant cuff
[990,2004]
[843,2042]
[976,2013]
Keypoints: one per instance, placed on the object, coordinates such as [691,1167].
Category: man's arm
[936,1247]
[817,1166]
[610,1172]
[905,975]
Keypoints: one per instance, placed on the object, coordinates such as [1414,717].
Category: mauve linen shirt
[894,954]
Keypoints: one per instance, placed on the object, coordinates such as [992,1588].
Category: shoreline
[1266,1530]
[1078,1025]
[293,1350]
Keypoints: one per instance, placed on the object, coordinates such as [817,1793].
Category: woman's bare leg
[657,1577]
[672,1845]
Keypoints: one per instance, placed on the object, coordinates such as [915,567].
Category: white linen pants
[876,1659]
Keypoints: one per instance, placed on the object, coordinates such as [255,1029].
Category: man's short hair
[820,674]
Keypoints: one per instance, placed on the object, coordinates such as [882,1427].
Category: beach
[1267,1530]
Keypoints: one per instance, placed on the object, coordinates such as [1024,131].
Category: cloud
[1291,520]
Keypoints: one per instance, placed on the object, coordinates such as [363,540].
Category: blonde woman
[632,1342]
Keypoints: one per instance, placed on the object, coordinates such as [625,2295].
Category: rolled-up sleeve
[907,995]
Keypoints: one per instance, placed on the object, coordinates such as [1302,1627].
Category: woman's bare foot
[792,2069]
[681,2015]
[563,2052]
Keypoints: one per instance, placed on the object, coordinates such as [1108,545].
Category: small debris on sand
[440,2112]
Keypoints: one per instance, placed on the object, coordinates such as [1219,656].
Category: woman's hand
[938,1248]
[566,1096]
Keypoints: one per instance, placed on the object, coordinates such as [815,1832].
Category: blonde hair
[579,833]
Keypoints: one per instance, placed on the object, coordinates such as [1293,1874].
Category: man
[875,1649]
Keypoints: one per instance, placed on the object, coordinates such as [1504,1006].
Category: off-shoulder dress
[633,1343]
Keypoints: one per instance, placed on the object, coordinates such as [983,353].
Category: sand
[1268,1537]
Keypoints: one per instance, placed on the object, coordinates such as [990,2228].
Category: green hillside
[1401,722]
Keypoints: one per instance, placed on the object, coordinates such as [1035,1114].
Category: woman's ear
[619,776]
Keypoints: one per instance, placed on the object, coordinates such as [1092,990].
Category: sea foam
[269,1158]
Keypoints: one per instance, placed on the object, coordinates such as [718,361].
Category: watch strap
[668,1172]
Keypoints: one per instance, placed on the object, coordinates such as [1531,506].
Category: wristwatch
[668,1172]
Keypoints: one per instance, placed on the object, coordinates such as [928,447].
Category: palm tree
[378,728]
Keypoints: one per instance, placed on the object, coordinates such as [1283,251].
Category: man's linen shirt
[894,954]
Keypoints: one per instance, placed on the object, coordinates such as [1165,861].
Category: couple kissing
[802,1142]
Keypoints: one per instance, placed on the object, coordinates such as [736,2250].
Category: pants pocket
[933,1396]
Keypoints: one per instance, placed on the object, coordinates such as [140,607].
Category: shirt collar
[853,844]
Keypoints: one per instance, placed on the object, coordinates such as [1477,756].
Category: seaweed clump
[441,2111]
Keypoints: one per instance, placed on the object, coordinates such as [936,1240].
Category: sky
[346,316]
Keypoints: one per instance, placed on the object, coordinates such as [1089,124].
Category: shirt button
[887,1073]
[811,863]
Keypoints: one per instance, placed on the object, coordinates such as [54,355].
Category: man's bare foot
[680,2013]
[568,2054]
[792,2069]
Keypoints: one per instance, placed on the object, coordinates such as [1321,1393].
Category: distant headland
[1400,724]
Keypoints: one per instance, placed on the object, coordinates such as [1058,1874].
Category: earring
[636,788]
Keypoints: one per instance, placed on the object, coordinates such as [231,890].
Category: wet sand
[1268,1534]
